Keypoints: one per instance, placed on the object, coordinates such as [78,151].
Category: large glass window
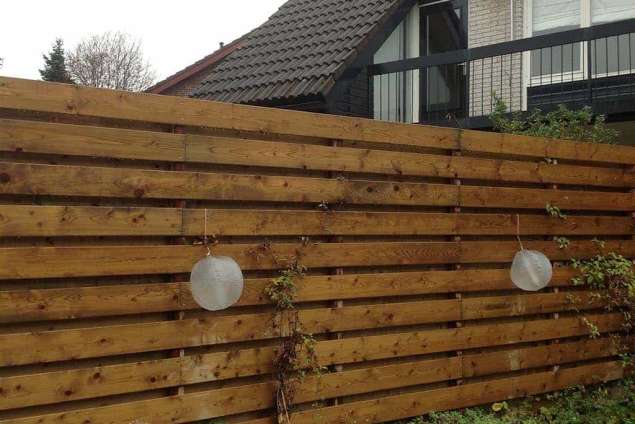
[555,15]
[604,11]
[549,16]
[388,90]
[612,55]
[395,95]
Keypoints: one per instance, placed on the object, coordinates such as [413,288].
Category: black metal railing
[592,66]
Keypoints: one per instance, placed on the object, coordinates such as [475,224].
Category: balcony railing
[592,66]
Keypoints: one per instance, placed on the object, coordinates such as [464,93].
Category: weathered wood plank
[217,403]
[83,140]
[507,197]
[482,364]
[279,222]
[63,386]
[64,139]
[74,100]
[93,301]
[65,221]
[59,98]
[36,179]
[510,144]
[59,345]
[420,403]
[50,262]
[469,337]
[517,305]
[89,342]
[52,221]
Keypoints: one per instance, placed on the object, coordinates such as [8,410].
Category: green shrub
[562,123]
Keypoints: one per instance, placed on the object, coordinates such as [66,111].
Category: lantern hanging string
[205,238]
[518,232]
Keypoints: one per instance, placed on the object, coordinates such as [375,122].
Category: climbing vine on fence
[611,279]
[296,355]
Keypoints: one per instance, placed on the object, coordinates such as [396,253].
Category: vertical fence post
[555,290]
[457,239]
[180,279]
[338,304]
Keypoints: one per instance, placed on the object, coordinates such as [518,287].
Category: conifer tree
[55,64]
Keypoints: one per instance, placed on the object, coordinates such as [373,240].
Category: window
[609,56]
[555,15]
[549,16]
[613,55]
[604,11]
[395,95]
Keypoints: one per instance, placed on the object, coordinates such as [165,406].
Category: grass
[608,404]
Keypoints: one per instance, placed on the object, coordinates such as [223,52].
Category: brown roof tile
[300,51]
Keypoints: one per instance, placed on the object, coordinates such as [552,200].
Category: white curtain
[603,11]
[549,15]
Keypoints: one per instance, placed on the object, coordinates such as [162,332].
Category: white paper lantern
[531,270]
[217,282]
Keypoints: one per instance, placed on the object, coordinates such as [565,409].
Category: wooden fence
[407,231]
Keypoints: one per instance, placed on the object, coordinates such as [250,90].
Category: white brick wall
[489,23]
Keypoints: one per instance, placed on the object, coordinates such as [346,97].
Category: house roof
[206,63]
[299,52]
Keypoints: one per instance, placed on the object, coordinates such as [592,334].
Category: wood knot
[139,192]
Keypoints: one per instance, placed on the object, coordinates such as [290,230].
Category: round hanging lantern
[217,282]
[531,270]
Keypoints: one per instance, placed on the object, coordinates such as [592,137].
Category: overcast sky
[174,33]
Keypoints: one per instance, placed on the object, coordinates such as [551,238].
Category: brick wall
[185,87]
[489,23]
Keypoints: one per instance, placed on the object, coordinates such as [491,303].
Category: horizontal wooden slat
[469,337]
[45,221]
[501,361]
[48,221]
[419,403]
[65,344]
[50,262]
[32,179]
[64,139]
[62,386]
[212,404]
[66,99]
[92,301]
[511,144]
[506,197]
[35,179]
[504,306]
[59,345]
[78,140]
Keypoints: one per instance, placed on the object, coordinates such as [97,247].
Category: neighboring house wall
[490,22]
[355,100]
[185,87]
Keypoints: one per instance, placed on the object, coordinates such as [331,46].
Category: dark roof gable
[299,52]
